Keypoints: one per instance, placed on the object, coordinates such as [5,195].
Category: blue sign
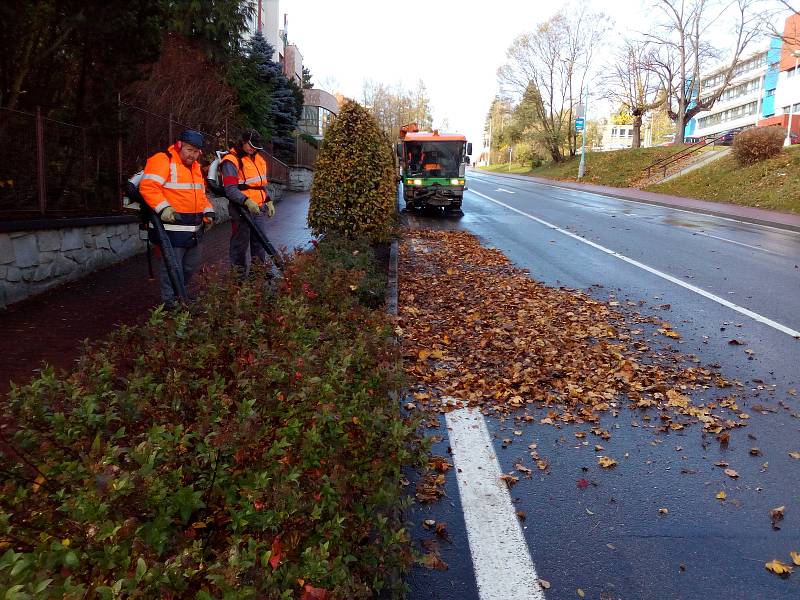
[579,124]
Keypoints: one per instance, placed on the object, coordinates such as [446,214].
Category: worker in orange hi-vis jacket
[245,178]
[174,188]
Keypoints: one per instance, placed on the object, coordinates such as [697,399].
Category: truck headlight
[456,182]
[418,182]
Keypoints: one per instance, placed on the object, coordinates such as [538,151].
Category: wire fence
[49,168]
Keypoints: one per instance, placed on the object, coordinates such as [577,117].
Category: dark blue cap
[195,138]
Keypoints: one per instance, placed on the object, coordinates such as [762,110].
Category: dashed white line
[740,309]
[724,239]
[500,556]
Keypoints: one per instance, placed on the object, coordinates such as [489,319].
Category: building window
[729,115]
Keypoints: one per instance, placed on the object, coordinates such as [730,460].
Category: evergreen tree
[281,99]
[307,83]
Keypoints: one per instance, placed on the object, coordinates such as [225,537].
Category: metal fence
[49,168]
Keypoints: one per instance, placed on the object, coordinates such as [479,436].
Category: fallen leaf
[721,496]
[545,584]
[522,469]
[581,593]
[776,515]
[735,342]
[509,479]
[663,511]
[582,484]
[795,455]
[779,568]
[795,558]
[731,473]
[606,462]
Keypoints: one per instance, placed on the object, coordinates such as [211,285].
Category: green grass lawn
[618,168]
[772,184]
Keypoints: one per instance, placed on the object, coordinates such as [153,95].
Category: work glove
[252,206]
[167,215]
[208,223]
[270,209]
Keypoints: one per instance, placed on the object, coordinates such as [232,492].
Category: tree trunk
[637,132]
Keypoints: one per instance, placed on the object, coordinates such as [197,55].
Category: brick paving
[49,328]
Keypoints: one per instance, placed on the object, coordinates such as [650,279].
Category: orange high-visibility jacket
[252,175]
[167,182]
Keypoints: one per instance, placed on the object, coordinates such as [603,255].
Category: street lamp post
[510,151]
[788,140]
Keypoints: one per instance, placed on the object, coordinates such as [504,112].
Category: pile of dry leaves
[478,331]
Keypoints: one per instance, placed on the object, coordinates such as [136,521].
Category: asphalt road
[724,280]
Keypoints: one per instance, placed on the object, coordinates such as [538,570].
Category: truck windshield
[433,159]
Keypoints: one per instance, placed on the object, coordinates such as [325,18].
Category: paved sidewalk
[50,327]
[721,209]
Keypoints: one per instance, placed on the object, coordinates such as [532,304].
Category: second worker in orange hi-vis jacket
[174,188]
[245,178]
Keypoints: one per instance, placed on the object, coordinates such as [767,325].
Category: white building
[765,90]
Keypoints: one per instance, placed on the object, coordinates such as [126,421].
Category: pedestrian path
[50,327]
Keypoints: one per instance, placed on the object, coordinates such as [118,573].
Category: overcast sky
[453,46]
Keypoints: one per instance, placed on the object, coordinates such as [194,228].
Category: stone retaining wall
[34,261]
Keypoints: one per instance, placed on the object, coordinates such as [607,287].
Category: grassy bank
[772,184]
[618,168]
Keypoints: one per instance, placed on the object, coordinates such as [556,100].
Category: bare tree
[549,67]
[631,82]
[684,51]
[792,36]
[395,106]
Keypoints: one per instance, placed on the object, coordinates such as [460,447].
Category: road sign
[579,124]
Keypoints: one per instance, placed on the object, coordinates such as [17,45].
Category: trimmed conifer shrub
[758,143]
[354,190]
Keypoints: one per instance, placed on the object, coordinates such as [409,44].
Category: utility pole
[582,164]
[491,118]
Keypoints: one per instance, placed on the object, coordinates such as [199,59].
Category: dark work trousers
[189,258]
[245,247]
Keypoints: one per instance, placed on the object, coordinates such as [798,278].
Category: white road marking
[740,309]
[505,190]
[500,556]
[644,203]
[716,237]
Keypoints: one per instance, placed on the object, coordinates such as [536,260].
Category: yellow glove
[168,215]
[270,209]
[252,206]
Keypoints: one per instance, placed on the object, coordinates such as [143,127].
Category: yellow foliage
[354,189]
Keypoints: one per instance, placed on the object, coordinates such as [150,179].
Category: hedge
[354,192]
[249,447]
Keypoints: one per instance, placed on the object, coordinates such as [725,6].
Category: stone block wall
[300,179]
[33,261]
[36,260]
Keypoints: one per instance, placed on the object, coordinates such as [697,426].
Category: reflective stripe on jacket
[167,182]
[252,175]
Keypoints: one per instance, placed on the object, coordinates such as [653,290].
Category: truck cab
[432,167]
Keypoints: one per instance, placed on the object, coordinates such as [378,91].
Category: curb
[391,285]
[620,194]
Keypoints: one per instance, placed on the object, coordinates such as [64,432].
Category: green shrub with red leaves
[250,447]
[757,143]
